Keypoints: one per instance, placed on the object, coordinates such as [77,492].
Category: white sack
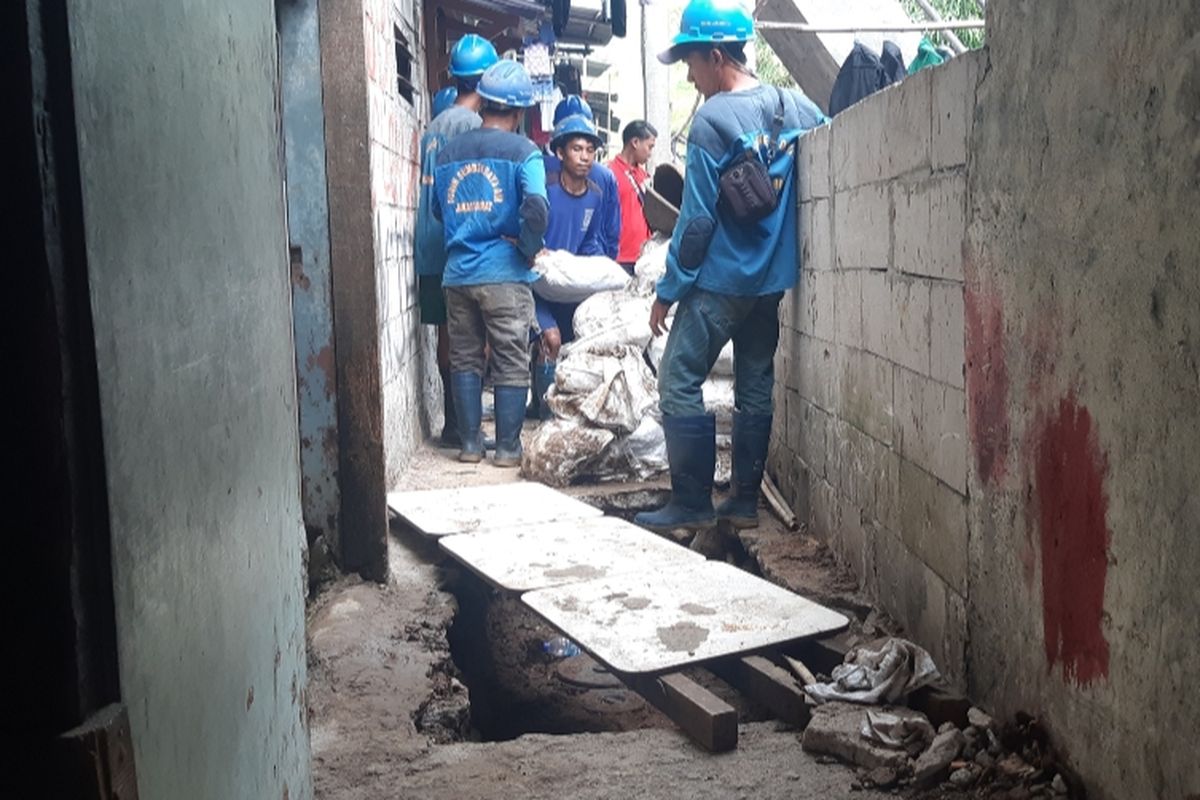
[884,676]
[718,396]
[568,278]
[607,319]
[651,265]
[625,393]
[639,456]
[562,449]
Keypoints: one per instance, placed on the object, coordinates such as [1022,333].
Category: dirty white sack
[885,675]
[639,456]
[624,394]
[650,266]
[562,449]
[568,278]
[612,318]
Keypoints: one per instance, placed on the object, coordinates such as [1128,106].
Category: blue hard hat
[574,125]
[710,22]
[471,56]
[570,106]
[444,99]
[507,83]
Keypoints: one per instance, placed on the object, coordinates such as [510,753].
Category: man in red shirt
[629,168]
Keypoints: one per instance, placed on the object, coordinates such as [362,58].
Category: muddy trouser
[498,314]
[704,324]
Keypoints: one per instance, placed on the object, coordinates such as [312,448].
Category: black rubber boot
[751,435]
[450,436]
[468,400]
[510,414]
[692,456]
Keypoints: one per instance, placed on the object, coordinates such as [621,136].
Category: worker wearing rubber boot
[455,111]
[575,226]
[490,191]
[729,262]
[608,235]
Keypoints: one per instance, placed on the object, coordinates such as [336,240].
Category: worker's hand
[658,317]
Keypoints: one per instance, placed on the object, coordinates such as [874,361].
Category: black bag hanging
[745,190]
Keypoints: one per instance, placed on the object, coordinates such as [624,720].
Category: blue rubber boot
[751,435]
[468,403]
[692,455]
[543,379]
[510,414]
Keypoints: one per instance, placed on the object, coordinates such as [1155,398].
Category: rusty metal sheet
[659,620]
[567,551]
[444,512]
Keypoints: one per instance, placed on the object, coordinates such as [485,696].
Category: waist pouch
[746,192]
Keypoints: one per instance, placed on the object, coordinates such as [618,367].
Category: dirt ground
[393,714]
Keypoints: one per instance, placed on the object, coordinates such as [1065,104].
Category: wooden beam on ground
[707,719]
[96,759]
[768,684]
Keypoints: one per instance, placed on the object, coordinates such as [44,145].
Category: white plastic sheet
[886,675]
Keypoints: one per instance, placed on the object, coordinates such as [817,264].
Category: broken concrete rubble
[836,730]
[933,765]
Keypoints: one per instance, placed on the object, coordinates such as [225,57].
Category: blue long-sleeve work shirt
[429,242]
[609,210]
[490,189]
[710,251]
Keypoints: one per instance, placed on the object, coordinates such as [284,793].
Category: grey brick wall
[870,442]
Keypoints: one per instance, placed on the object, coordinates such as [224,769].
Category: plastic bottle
[560,647]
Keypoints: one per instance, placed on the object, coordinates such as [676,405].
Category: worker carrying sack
[746,191]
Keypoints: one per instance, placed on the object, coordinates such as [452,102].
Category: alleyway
[381,695]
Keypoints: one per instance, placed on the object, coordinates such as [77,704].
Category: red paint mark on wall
[1073,507]
[987,383]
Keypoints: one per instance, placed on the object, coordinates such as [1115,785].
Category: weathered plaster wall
[991,373]
[870,434]
[183,203]
[395,126]
[1083,384]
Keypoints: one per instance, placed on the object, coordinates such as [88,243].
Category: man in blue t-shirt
[576,227]
[726,274]
[490,193]
[610,206]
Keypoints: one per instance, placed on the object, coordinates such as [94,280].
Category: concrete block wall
[395,124]
[869,443]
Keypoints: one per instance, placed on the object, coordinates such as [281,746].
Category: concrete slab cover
[442,512]
[567,551]
[664,619]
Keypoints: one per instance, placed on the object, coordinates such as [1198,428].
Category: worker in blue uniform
[575,226]
[469,58]
[490,193]
[610,211]
[726,276]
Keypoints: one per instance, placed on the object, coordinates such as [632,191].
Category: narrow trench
[515,687]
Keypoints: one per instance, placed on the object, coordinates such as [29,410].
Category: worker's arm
[610,210]
[534,211]
[697,220]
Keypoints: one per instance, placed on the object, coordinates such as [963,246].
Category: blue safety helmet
[711,22]
[574,125]
[471,56]
[570,106]
[444,99]
[507,83]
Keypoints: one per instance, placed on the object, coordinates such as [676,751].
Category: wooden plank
[767,684]
[707,719]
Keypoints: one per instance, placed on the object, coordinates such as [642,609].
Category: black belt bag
[746,192]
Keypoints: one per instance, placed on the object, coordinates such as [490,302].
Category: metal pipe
[932,13]
[911,27]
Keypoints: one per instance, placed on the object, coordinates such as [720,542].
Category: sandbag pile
[607,425]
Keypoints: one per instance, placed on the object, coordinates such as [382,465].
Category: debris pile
[607,425]
[858,721]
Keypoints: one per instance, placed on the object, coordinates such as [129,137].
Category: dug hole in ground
[433,685]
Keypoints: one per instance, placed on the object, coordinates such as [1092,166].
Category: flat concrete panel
[569,551]
[182,181]
[444,512]
[655,621]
